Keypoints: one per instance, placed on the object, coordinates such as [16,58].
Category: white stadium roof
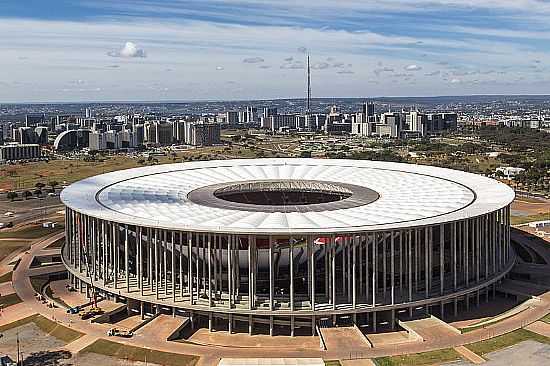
[408,196]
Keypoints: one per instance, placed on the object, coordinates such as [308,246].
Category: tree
[38,192]
[12,195]
[40,185]
[27,194]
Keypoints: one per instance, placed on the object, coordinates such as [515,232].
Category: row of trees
[12,195]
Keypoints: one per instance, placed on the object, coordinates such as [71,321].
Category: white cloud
[129,50]
[320,66]
[413,68]
[294,65]
[456,81]
[253,60]
[219,68]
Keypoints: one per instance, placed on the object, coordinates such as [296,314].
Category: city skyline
[239,49]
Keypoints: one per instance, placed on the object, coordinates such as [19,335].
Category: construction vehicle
[115,332]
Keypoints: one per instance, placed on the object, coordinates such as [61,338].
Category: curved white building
[288,244]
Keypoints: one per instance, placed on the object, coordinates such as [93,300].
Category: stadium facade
[286,245]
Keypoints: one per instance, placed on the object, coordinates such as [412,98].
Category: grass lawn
[60,332]
[546,319]
[56,244]
[9,300]
[517,220]
[6,277]
[30,232]
[50,294]
[122,351]
[56,330]
[506,340]
[17,323]
[7,247]
[332,363]
[424,358]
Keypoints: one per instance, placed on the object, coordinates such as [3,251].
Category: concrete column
[384,267]
[157,272]
[312,264]
[354,271]
[360,257]
[205,255]
[426,262]
[126,258]
[190,266]
[416,258]
[271,281]
[250,291]
[140,258]
[173,241]
[292,325]
[392,271]
[367,273]
[430,257]
[410,264]
[333,270]
[230,270]
[466,251]
[230,325]
[181,262]
[348,267]
[271,325]
[442,258]
[374,267]
[453,253]
[291,270]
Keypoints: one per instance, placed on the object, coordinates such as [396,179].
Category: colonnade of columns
[288,276]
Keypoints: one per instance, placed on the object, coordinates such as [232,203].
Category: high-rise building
[269,111]
[232,118]
[369,112]
[12,152]
[204,134]
[251,115]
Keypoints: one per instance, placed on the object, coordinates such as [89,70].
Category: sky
[138,50]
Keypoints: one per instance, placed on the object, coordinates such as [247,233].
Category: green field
[506,340]
[60,332]
[424,358]
[8,247]
[546,319]
[131,353]
[9,300]
[518,220]
[64,172]
[30,232]
[6,277]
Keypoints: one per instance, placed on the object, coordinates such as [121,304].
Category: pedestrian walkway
[362,362]
[469,355]
[79,344]
[539,327]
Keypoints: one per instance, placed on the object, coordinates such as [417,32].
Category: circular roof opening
[283,193]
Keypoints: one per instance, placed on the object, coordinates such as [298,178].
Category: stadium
[283,246]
